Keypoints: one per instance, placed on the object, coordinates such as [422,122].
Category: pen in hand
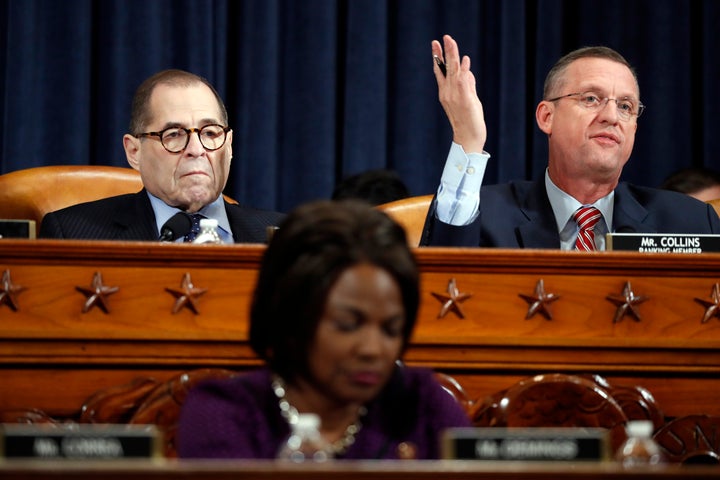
[441,65]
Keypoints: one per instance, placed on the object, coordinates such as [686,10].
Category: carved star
[187,296]
[97,294]
[626,303]
[8,291]
[712,309]
[540,302]
[451,300]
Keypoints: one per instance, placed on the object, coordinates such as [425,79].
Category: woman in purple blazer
[333,310]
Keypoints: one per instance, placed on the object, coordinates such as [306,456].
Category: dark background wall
[320,89]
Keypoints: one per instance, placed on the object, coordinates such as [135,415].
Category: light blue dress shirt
[458,198]
[215,210]
[564,206]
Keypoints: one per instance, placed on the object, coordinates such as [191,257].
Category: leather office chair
[410,214]
[560,400]
[31,193]
[715,204]
[690,439]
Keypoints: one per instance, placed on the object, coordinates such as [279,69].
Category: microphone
[177,226]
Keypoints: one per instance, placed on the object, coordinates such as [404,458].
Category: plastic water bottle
[208,232]
[639,448]
[305,444]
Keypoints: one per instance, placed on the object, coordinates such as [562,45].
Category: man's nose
[194,145]
[611,112]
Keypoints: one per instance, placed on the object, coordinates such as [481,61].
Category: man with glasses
[590,109]
[181,144]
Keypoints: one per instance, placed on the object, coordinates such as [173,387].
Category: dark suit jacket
[131,217]
[519,215]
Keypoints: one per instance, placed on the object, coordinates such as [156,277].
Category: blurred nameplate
[663,242]
[17,228]
[75,441]
[526,444]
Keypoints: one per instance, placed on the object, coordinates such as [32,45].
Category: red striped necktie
[586,218]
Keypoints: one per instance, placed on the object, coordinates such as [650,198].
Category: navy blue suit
[131,217]
[518,215]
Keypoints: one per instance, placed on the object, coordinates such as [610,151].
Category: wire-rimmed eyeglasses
[626,107]
[176,139]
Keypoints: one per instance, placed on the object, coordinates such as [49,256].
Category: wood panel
[53,355]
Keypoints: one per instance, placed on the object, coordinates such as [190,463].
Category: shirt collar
[564,205]
[215,210]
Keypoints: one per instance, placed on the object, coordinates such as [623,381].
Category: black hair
[691,180]
[313,246]
[373,186]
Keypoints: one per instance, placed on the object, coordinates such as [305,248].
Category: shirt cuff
[458,197]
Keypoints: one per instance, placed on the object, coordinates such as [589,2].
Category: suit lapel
[240,223]
[628,214]
[539,230]
[137,221]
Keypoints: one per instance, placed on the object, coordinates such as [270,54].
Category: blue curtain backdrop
[321,89]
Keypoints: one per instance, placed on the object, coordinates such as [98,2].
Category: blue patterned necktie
[195,229]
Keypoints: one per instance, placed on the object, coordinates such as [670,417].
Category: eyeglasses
[176,139]
[626,107]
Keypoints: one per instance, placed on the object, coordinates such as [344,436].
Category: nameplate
[17,228]
[91,442]
[663,242]
[526,444]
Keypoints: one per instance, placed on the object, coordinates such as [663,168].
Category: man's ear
[544,116]
[132,147]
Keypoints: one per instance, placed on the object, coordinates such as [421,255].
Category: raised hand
[458,96]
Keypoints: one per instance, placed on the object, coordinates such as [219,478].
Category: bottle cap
[639,428]
[208,223]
